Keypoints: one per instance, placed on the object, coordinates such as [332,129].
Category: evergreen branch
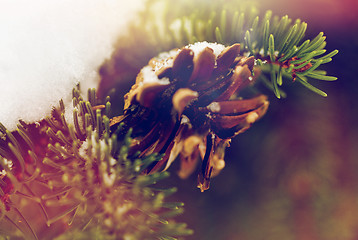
[91,171]
[234,23]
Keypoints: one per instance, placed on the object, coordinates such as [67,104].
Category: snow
[200,46]
[8,163]
[166,59]
[149,76]
[185,120]
[47,47]
[214,107]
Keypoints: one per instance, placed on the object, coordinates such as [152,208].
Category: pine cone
[184,103]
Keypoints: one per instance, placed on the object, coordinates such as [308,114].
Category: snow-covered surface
[200,46]
[166,59]
[149,76]
[47,47]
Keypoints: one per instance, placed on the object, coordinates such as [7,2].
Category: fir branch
[91,183]
[277,43]
[274,40]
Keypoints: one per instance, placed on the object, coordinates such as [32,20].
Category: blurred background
[294,174]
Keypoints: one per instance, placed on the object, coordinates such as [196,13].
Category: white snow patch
[9,165]
[166,59]
[185,120]
[47,47]
[92,144]
[198,47]
[149,76]
[214,107]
